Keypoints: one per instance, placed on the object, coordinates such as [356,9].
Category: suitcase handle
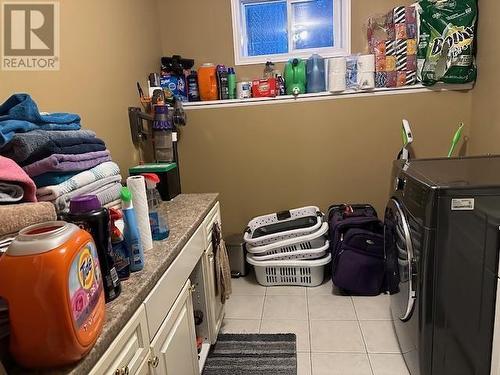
[355,207]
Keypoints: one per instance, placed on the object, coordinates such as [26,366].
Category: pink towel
[11,172]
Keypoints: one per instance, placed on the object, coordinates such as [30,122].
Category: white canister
[244,90]
[366,63]
[337,65]
[336,82]
[366,80]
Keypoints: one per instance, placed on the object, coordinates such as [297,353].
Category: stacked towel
[103,180]
[14,217]
[15,185]
[27,148]
[67,163]
[20,114]
[57,157]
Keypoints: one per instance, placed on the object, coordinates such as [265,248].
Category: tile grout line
[309,329]
[362,335]
[262,312]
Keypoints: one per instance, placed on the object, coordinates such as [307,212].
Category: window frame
[342,25]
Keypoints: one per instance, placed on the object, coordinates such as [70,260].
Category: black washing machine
[442,238]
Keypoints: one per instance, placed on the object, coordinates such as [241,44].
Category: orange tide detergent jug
[207,82]
[51,280]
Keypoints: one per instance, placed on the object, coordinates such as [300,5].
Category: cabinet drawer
[164,294]
[129,350]
[212,217]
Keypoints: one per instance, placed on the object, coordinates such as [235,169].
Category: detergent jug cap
[84,203]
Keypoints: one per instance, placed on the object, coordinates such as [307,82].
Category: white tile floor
[336,335]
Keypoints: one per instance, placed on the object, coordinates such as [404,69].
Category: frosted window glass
[266,27]
[313,24]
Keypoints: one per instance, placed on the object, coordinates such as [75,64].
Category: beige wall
[268,158]
[106,46]
[485,110]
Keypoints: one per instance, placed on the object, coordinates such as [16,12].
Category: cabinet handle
[122,371]
[154,361]
[192,288]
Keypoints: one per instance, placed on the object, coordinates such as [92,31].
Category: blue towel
[71,146]
[20,113]
[52,178]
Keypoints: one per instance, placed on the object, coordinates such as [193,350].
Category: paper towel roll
[337,65]
[366,63]
[366,81]
[137,187]
[336,82]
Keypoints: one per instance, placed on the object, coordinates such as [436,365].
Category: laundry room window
[278,30]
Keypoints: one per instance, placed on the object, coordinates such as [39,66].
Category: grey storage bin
[236,252]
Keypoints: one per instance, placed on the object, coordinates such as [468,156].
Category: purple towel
[67,163]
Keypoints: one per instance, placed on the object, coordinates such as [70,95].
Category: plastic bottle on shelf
[193,89]
[316,74]
[207,82]
[231,81]
[222,82]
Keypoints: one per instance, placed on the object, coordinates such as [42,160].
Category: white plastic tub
[290,272]
[310,241]
[313,253]
[310,246]
[279,226]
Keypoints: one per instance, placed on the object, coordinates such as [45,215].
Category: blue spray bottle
[131,231]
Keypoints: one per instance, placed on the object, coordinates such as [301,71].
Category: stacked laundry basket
[289,248]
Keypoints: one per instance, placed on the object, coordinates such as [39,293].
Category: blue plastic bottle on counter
[316,74]
[157,220]
[131,232]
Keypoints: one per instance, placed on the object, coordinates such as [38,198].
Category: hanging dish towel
[67,163]
[16,184]
[222,267]
[20,113]
[102,171]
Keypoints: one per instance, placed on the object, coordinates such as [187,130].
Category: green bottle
[231,81]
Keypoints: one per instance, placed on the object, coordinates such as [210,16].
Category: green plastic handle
[456,139]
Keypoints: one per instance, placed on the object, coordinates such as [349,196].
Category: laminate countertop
[185,214]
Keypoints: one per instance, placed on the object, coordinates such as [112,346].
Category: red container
[263,88]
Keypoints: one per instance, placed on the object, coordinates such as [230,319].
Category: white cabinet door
[129,350]
[174,346]
[215,307]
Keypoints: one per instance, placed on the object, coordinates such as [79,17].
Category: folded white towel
[102,171]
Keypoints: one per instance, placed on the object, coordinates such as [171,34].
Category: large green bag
[447,41]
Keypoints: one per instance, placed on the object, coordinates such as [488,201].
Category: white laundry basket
[267,229]
[311,246]
[290,272]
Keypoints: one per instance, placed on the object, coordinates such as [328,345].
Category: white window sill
[325,96]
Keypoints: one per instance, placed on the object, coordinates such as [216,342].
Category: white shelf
[205,348]
[325,96]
